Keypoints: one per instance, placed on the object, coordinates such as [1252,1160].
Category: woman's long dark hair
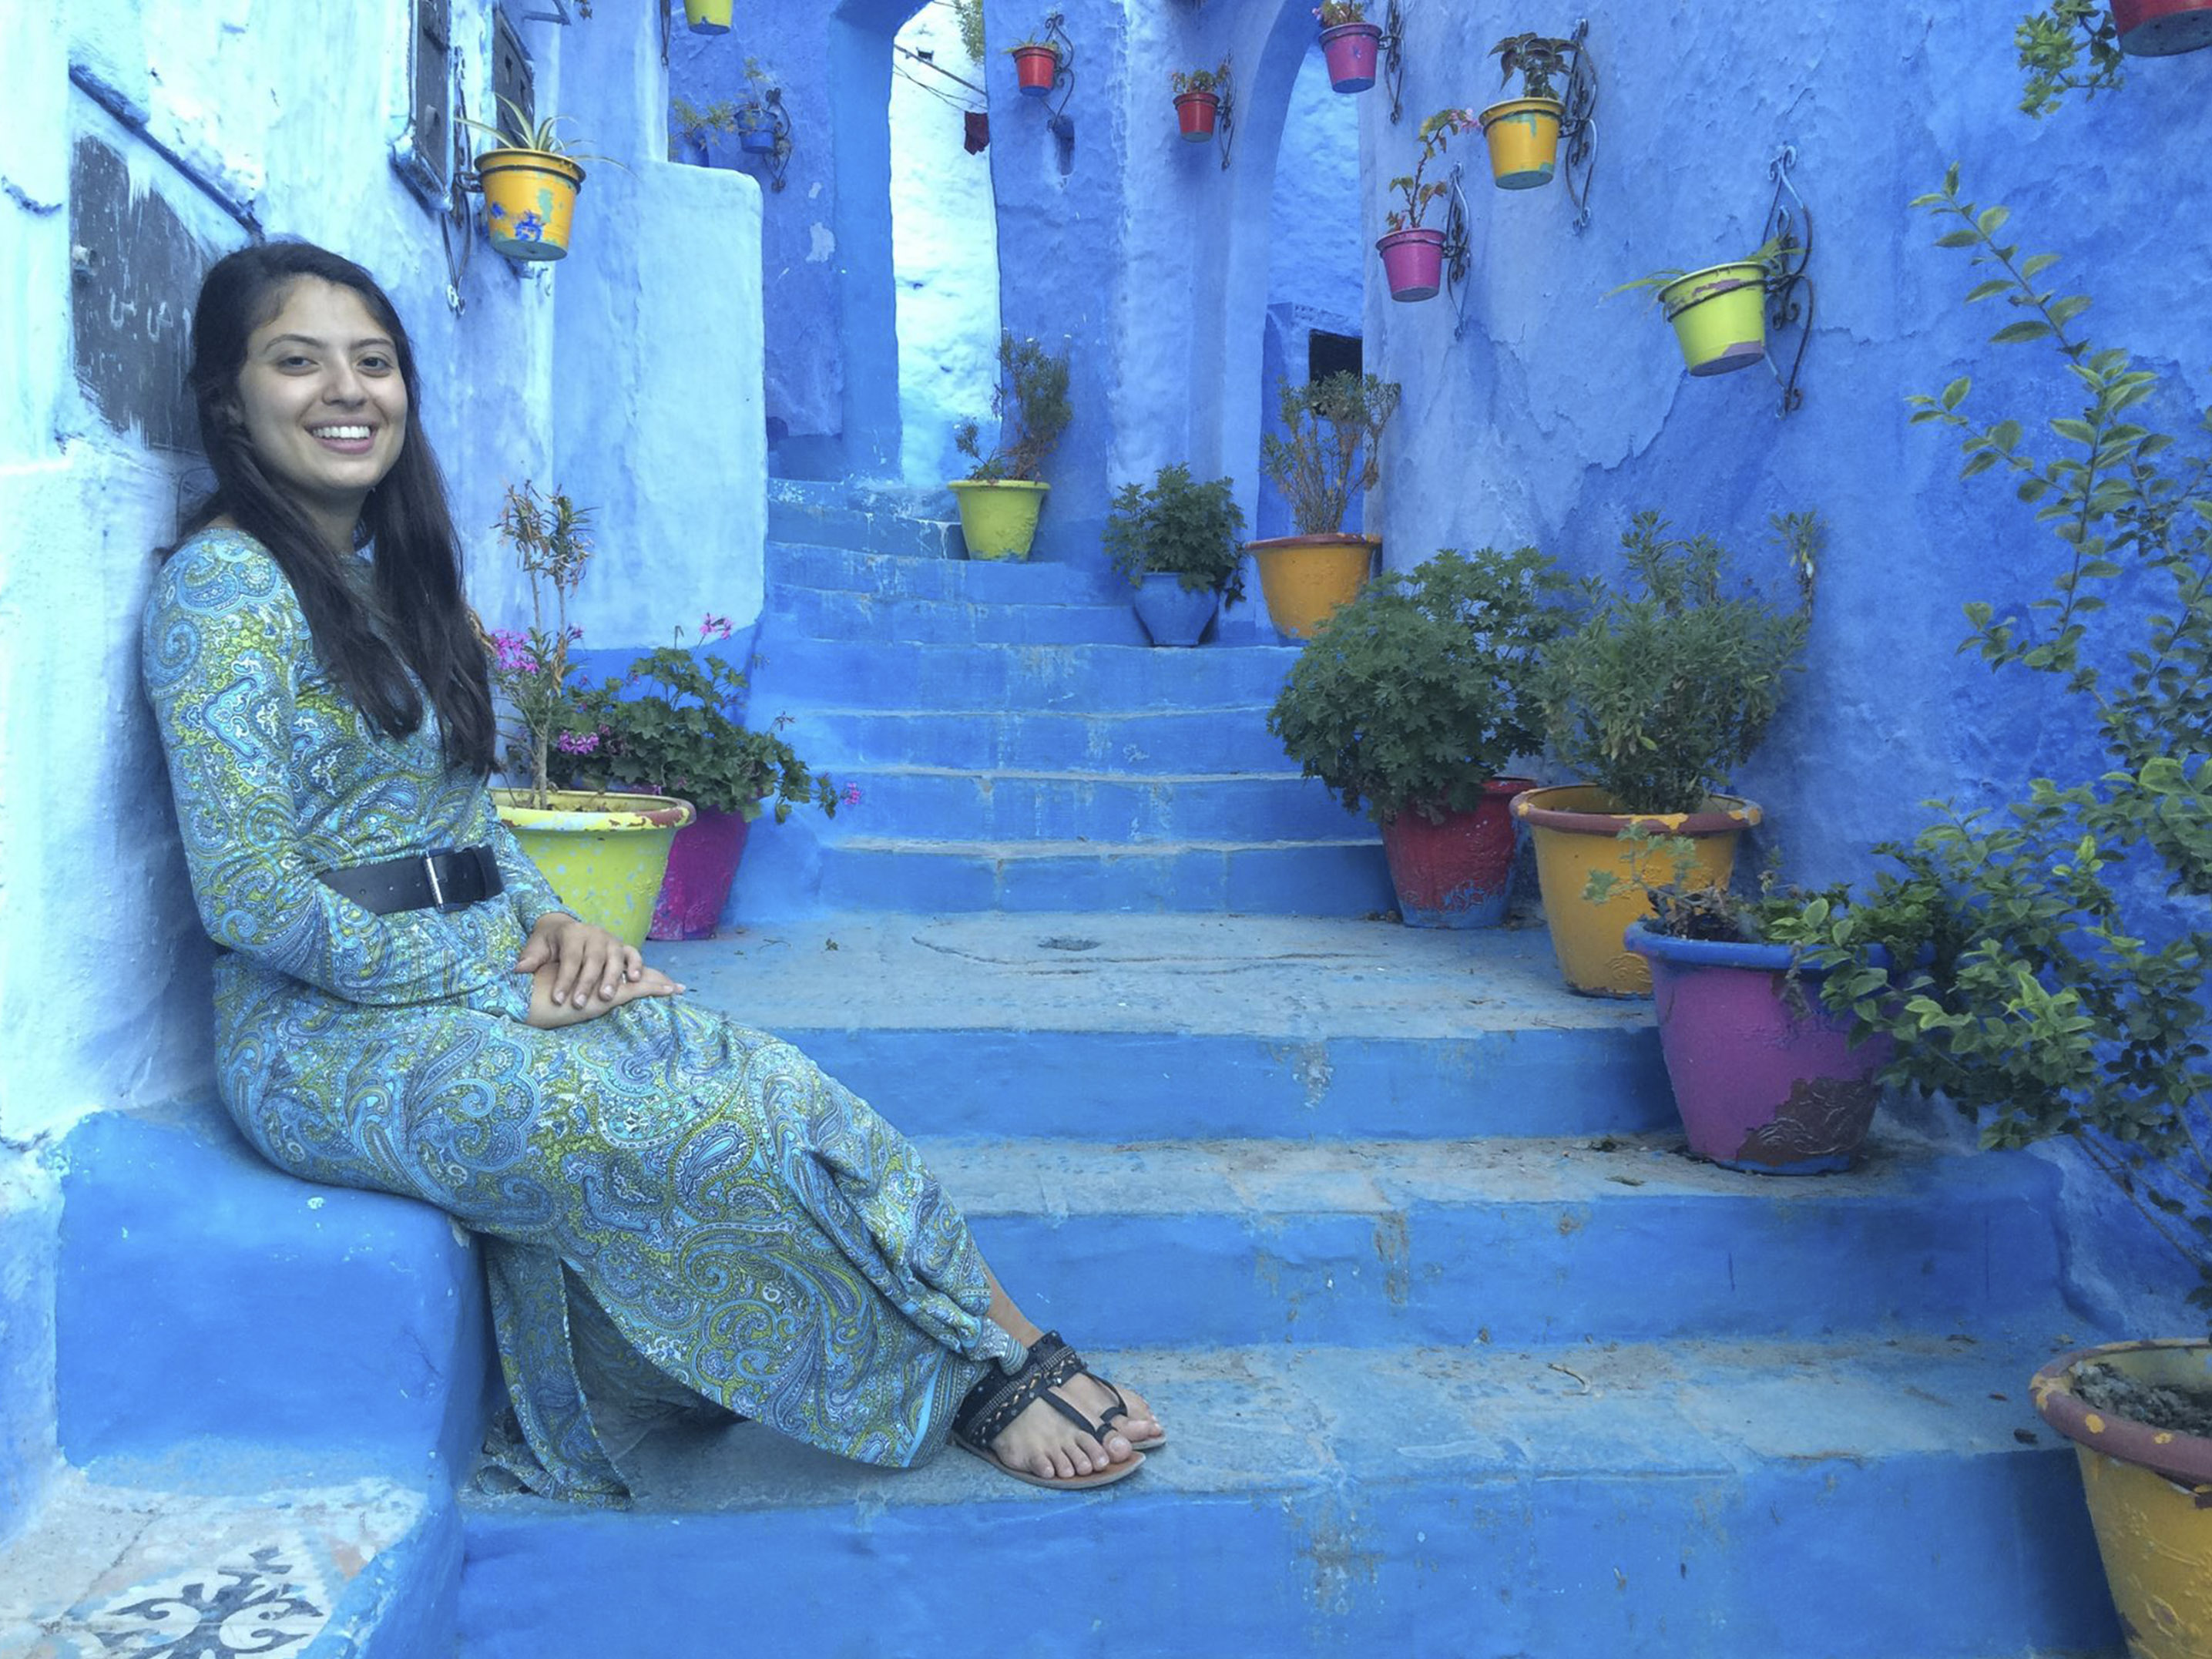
[418,558]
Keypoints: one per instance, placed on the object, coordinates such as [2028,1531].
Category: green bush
[1656,698]
[1414,694]
[1177,526]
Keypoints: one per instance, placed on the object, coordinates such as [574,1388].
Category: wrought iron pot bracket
[1578,124]
[1459,259]
[1788,290]
[1392,46]
[779,159]
[1056,31]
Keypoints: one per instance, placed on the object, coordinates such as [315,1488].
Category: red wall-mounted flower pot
[2158,28]
[1351,50]
[1196,112]
[1036,68]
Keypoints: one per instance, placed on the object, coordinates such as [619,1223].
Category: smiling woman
[405,1004]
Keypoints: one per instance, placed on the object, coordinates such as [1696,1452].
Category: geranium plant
[1201,80]
[559,722]
[1536,58]
[1334,14]
[1177,526]
[1327,452]
[676,728]
[1420,191]
[1031,401]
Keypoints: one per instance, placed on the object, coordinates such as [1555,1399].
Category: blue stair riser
[816,614]
[202,1294]
[1636,1268]
[1234,739]
[997,806]
[1120,1086]
[865,531]
[796,566]
[850,674]
[1973,1556]
[795,876]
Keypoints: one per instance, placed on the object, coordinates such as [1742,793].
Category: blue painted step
[787,872]
[798,567]
[900,675]
[1858,1501]
[1231,739]
[925,803]
[822,614]
[1519,1241]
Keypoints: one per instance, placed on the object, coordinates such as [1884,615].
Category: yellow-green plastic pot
[999,516]
[530,196]
[604,854]
[1576,830]
[2149,1492]
[1719,316]
[708,16]
[1305,577]
[1524,136]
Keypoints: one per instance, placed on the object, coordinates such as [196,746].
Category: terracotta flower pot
[1036,68]
[2158,28]
[1196,112]
[1351,50]
[1455,873]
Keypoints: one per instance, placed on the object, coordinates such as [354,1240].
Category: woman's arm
[222,639]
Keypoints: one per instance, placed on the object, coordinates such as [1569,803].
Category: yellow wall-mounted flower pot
[708,16]
[1305,577]
[2149,1492]
[605,854]
[999,516]
[529,197]
[1524,136]
[1576,830]
[1719,316]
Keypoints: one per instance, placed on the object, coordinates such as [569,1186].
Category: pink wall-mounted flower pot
[1412,263]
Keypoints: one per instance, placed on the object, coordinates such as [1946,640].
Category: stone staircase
[1458,1354]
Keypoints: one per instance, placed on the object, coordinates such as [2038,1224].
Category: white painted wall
[944,254]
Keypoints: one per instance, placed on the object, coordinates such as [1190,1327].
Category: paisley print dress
[748,1226]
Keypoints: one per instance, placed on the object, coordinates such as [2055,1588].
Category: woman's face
[324,406]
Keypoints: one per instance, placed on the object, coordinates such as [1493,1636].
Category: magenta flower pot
[1455,873]
[701,864]
[1351,50]
[1412,263]
[1765,1077]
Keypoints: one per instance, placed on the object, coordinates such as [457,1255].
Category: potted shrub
[1325,455]
[1413,254]
[2051,957]
[1413,698]
[1523,133]
[676,727]
[756,121]
[1036,65]
[603,851]
[1766,1076]
[1349,43]
[1000,500]
[1178,542]
[696,129]
[1719,314]
[708,16]
[1654,698]
[1198,101]
[529,180]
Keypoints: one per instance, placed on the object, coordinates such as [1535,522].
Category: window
[1330,354]
[514,88]
[426,161]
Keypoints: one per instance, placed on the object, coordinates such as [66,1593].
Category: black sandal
[1051,1346]
[997,1400]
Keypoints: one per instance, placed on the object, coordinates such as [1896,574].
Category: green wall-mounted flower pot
[1719,316]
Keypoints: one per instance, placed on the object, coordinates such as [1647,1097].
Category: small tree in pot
[1654,698]
[1000,500]
[1325,454]
[1412,698]
[1178,542]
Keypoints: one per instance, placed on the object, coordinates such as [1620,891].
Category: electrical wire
[932,64]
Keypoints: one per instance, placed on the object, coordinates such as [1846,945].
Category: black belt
[449,878]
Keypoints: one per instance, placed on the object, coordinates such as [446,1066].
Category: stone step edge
[1009,850]
[1037,775]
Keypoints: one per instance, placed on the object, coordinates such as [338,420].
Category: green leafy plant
[1662,866]
[558,721]
[2058,990]
[676,729]
[971,13]
[1418,691]
[1334,13]
[1178,526]
[1536,58]
[1034,43]
[1657,695]
[1768,253]
[1327,451]
[2054,43]
[1201,80]
[695,124]
[1420,191]
[516,130]
[1031,405]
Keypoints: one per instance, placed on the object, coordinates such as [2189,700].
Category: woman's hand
[548,1015]
[576,967]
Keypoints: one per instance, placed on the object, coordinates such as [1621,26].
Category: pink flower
[512,653]
[851,794]
[711,627]
[577,742]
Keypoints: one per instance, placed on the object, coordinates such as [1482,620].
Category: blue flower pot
[1172,615]
[758,141]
